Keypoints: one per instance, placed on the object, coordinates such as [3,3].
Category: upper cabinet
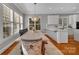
[53,19]
[63,20]
[59,20]
[72,21]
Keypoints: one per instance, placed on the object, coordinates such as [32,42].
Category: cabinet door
[63,21]
[62,37]
[53,19]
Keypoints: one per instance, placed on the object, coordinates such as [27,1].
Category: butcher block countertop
[32,42]
[31,35]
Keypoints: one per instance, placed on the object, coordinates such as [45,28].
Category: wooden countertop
[30,35]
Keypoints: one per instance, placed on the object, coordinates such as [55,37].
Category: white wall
[43,21]
[26,17]
[1,23]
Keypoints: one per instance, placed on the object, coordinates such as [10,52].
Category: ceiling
[48,8]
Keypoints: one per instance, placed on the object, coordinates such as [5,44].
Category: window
[7,21]
[12,22]
[16,23]
[21,22]
[31,24]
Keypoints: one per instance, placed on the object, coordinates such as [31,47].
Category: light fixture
[74,8]
[35,17]
[62,8]
[50,8]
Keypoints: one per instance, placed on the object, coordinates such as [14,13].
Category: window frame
[11,21]
[33,24]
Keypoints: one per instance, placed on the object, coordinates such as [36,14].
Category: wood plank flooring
[49,48]
[7,51]
[70,48]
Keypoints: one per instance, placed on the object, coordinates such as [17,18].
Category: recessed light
[62,8]
[50,8]
[74,8]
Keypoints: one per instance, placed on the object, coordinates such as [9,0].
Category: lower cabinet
[62,37]
[76,34]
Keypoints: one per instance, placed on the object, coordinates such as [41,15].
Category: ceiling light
[35,17]
[74,8]
[62,8]
[50,8]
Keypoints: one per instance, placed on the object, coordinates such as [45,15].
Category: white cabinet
[53,19]
[62,36]
[63,21]
[52,34]
[70,31]
[72,20]
[76,34]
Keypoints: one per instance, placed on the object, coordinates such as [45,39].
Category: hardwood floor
[70,48]
[7,51]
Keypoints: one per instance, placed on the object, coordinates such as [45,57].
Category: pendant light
[35,17]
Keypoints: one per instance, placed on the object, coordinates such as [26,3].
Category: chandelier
[35,18]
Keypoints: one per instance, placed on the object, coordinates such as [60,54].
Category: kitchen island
[32,43]
[58,35]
